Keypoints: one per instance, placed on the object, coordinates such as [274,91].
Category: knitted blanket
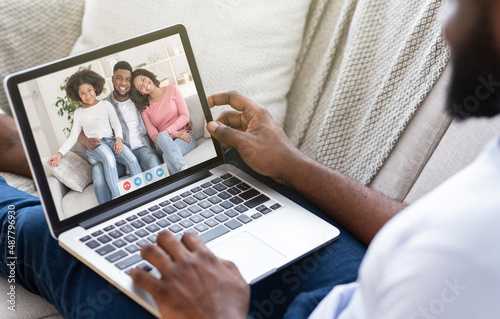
[364,69]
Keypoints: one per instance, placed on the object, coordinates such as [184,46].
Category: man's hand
[194,283]
[89,143]
[118,145]
[252,130]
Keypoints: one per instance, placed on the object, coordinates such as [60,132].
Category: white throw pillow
[248,46]
[74,172]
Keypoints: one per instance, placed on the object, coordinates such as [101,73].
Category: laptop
[239,218]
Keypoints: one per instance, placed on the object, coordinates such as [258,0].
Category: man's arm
[89,143]
[263,145]
[12,156]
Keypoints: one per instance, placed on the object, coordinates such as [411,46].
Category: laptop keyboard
[210,210]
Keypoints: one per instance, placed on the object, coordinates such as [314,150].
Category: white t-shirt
[129,113]
[439,258]
[97,121]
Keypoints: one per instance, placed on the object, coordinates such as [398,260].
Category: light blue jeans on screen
[173,150]
[105,155]
[147,157]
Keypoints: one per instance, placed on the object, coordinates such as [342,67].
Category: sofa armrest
[58,191]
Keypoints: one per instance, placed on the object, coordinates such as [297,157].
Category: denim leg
[171,153]
[184,146]
[101,189]
[334,264]
[147,157]
[104,155]
[46,269]
[127,158]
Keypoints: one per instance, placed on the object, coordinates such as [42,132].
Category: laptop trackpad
[253,257]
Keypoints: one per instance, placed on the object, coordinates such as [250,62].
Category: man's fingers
[237,101]
[171,245]
[225,134]
[157,257]
[144,279]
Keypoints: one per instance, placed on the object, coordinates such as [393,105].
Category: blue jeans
[105,155]
[44,268]
[147,158]
[173,150]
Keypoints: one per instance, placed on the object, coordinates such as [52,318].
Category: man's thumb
[225,134]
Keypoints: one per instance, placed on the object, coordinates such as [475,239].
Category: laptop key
[164,203]
[159,214]
[175,228]
[119,243]
[231,182]
[207,213]
[215,209]
[186,194]
[184,213]
[97,233]
[108,228]
[194,209]
[221,218]
[204,204]
[231,213]
[153,238]
[196,219]
[154,208]
[115,234]
[244,219]
[226,176]
[190,200]
[201,227]
[120,223]
[169,210]
[241,208]
[214,200]
[175,199]
[142,242]
[186,223]
[131,218]
[233,191]
[105,250]
[143,213]
[200,196]
[153,228]
[174,218]
[126,229]
[142,233]
[196,189]
[206,185]
[216,180]
[227,204]
[275,206]
[220,187]
[233,224]
[214,233]
[130,238]
[236,200]
[211,222]
[104,239]
[145,267]
[249,194]
[128,262]
[132,248]
[93,244]
[266,211]
[163,223]
[256,201]
[148,219]
[256,215]
[190,230]
[116,256]
[180,205]
[84,239]
[210,191]
[137,224]
[224,195]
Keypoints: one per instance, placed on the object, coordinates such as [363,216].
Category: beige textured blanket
[378,59]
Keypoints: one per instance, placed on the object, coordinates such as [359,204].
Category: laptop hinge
[146,198]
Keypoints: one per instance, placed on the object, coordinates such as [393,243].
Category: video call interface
[51,114]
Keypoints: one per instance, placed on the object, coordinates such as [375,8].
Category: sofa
[277,54]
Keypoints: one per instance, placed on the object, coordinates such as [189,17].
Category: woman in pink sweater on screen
[166,116]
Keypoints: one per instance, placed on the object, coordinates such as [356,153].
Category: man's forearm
[12,156]
[361,210]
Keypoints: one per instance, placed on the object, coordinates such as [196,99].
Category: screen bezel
[133,199]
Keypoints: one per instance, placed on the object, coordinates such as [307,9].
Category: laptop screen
[77,103]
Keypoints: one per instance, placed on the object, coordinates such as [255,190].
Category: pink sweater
[168,115]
